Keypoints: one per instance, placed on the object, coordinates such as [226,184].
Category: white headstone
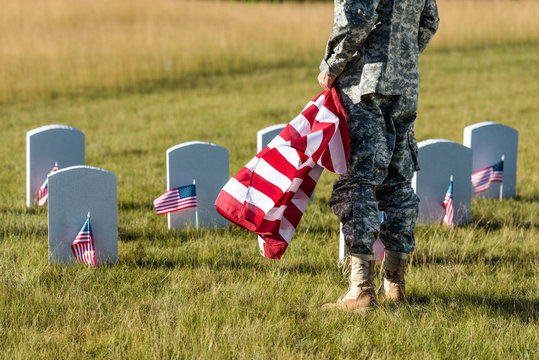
[264,136]
[208,165]
[489,141]
[377,248]
[73,192]
[46,146]
[439,160]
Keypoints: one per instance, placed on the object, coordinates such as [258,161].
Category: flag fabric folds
[448,206]
[269,195]
[180,198]
[43,192]
[481,179]
[83,245]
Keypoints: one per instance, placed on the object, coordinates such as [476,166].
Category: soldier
[372,60]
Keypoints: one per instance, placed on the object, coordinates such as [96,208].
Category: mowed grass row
[474,290]
[57,47]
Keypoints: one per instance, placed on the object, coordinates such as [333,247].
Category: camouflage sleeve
[428,24]
[353,21]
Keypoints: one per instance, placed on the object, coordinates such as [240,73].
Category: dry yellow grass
[59,46]
[77,44]
[484,22]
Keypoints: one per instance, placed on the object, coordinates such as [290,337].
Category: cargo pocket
[340,201]
[412,143]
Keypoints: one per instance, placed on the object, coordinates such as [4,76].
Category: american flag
[43,192]
[269,195]
[481,179]
[83,245]
[448,205]
[180,198]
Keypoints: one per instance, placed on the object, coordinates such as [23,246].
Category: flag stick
[196,207]
[501,184]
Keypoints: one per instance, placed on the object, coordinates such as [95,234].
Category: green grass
[474,290]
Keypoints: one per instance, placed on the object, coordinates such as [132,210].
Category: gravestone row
[76,189]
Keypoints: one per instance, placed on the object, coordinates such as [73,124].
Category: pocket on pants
[340,201]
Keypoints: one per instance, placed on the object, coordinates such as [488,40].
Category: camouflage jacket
[375,44]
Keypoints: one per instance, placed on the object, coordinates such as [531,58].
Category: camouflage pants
[383,157]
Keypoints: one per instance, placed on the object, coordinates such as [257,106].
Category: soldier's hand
[326,81]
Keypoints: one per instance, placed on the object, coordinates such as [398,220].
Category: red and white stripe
[269,195]
[497,176]
[481,179]
[43,192]
[83,249]
[449,209]
[171,201]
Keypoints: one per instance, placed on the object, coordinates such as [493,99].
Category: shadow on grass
[192,262]
[234,262]
[32,210]
[135,205]
[515,257]
[497,223]
[130,152]
[527,311]
[129,234]
[23,222]
[531,198]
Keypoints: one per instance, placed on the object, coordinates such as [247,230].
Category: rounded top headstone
[486,123]
[442,161]
[51,127]
[74,192]
[48,145]
[435,141]
[81,167]
[490,141]
[191,143]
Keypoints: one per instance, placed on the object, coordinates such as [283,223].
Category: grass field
[102,68]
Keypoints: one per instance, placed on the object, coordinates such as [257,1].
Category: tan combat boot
[361,294]
[393,280]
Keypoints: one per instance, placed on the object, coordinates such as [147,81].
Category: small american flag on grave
[176,199]
[83,245]
[481,179]
[448,206]
[43,192]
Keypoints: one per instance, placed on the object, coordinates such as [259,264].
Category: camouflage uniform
[373,50]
